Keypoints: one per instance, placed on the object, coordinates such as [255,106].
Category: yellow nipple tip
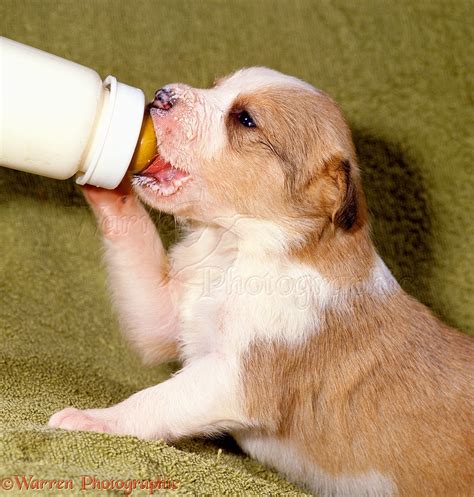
[145,150]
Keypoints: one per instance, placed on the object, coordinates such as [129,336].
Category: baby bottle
[58,119]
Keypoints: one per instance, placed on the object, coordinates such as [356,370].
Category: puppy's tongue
[163,171]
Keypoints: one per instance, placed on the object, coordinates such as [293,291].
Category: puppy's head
[260,146]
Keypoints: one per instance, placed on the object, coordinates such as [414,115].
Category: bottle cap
[115,137]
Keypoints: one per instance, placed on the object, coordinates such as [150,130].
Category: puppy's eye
[246,119]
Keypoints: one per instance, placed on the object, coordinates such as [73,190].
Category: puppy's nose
[164,99]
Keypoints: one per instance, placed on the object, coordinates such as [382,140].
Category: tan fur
[382,386]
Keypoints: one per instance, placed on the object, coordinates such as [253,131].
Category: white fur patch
[382,281]
[233,294]
[280,454]
[236,290]
[257,78]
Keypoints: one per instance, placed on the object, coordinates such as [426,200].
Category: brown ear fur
[346,210]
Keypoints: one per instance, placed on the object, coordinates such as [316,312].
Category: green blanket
[400,71]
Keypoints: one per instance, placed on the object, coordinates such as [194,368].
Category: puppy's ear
[346,208]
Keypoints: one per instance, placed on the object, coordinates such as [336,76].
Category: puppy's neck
[258,238]
[344,258]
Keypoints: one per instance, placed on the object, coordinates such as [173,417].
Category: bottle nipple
[146,150]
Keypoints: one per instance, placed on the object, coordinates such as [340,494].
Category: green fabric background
[400,71]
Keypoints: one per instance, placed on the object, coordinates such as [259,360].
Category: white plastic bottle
[58,118]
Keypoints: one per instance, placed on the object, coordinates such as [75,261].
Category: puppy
[293,334]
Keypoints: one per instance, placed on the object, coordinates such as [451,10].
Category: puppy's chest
[230,298]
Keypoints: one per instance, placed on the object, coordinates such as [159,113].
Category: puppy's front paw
[75,419]
[106,202]
[118,212]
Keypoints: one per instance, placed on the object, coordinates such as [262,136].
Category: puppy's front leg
[200,399]
[144,296]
